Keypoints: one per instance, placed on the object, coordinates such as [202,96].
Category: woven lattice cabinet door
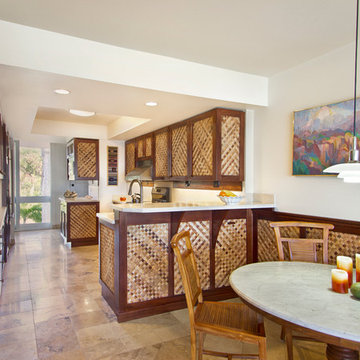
[203,151]
[161,157]
[179,152]
[231,166]
[129,156]
[87,159]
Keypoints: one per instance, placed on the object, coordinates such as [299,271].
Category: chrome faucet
[135,197]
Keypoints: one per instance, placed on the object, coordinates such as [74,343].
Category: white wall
[324,80]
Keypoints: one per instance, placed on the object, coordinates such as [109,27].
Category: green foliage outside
[32,212]
[31,167]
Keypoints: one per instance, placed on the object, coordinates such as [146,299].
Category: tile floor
[51,308]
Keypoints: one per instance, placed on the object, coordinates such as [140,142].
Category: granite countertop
[250,201]
[301,294]
[77,199]
[107,216]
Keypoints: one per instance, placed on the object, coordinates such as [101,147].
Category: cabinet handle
[231,223]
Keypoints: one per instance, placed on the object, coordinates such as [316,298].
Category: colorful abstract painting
[323,136]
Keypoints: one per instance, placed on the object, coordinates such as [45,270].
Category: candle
[346,263]
[339,281]
[357,267]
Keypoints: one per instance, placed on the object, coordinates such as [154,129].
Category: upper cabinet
[179,151]
[129,156]
[161,154]
[230,145]
[83,159]
[207,147]
[203,146]
[144,147]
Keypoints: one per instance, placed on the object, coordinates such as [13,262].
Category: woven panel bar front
[86,159]
[107,256]
[230,250]
[130,157]
[200,241]
[230,149]
[82,221]
[179,151]
[202,158]
[267,248]
[161,154]
[147,267]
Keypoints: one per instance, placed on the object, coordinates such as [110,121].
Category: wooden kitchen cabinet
[78,221]
[208,147]
[179,151]
[203,146]
[130,156]
[161,154]
[144,146]
[83,159]
[230,145]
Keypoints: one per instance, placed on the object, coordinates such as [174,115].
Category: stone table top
[301,294]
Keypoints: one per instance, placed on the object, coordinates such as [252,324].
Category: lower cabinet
[78,222]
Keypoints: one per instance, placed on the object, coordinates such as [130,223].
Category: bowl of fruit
[228,197]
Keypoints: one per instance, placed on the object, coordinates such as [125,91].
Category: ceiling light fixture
[81,112]
[62,91]
[350,171]
[151,103]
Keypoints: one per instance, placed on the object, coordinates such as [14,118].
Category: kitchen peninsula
[138,273]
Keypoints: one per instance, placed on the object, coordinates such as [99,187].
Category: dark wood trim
[153,307]
[121,264]
[340,225]
[251,248]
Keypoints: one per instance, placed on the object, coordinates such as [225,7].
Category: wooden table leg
[340,353]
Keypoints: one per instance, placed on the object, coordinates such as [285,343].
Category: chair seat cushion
[227,316]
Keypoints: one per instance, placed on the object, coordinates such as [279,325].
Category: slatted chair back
[301,247]
[190,277]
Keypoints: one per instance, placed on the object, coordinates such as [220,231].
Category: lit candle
[339,281]
[357,267]
[346,263]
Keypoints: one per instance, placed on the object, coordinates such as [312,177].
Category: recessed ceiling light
[62,91]
[81,112]
[151,103]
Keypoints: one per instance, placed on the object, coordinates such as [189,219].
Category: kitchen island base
[138,272]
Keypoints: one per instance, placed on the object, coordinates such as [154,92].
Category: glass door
[33,210]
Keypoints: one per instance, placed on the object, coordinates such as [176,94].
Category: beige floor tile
[15,320]
[17,334]
[54,337]
[88,319]
[16,307]
[73,321]
[104,349]
[21,350]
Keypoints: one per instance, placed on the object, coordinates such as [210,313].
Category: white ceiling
[259,37]
[252,36]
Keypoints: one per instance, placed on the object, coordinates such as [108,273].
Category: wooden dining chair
[231,320]
[300,247]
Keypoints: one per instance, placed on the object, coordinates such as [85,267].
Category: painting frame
[322,136]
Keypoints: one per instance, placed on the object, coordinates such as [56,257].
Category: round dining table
[298,295]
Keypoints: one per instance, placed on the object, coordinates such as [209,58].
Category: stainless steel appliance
[160,194]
